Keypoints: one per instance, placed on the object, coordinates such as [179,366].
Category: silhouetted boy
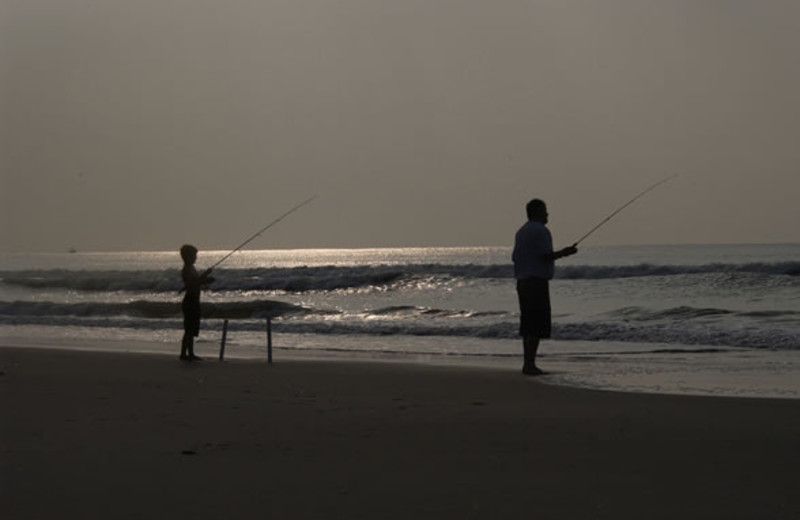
[193,283]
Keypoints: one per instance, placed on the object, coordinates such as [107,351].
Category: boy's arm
[206,277]
[194,282]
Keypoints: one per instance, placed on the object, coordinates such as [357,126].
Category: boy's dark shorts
[534,307]
[191,316]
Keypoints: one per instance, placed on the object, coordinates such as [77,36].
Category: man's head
[537,211]
[189,254]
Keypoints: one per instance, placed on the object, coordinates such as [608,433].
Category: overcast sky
[144,124]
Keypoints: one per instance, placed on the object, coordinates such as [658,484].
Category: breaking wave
[147,309]
[330,278]
[679,325]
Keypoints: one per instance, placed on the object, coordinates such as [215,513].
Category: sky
[142,125]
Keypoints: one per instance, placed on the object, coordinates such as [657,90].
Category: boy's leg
[190,346]
[191,328]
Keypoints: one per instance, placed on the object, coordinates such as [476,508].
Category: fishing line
[260,231]
[257,234]
[598,226]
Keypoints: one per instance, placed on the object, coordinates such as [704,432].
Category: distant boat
[73,250]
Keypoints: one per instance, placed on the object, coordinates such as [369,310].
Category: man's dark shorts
[534,306]
[191,315]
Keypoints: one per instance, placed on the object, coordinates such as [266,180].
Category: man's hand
[569,251]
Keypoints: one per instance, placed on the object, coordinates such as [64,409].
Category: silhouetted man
[534,264]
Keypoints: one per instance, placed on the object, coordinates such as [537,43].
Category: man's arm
[561,253]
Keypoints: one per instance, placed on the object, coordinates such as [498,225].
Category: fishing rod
[598,226]
[258,233]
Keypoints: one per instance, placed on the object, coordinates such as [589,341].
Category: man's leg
[192,357]
[530,345]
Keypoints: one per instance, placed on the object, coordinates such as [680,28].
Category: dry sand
[102,435]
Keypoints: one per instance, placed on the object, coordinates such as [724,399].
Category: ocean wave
[95,281]
[680,313]
[412,311]
[585,331]
[680,333]
[661,334]
[147,309]
[578,272]
[292,280]
[332,278]
[685,313]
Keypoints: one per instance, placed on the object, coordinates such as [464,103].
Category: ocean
[693,319]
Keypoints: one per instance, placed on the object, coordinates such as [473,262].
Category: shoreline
[609,366]
[94,434]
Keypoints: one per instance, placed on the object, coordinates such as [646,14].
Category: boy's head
[189,254]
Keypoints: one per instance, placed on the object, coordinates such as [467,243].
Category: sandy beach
[110,435]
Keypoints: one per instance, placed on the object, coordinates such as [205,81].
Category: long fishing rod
[260,231]
[598,226]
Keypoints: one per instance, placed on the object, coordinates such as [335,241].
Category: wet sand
[112,435]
